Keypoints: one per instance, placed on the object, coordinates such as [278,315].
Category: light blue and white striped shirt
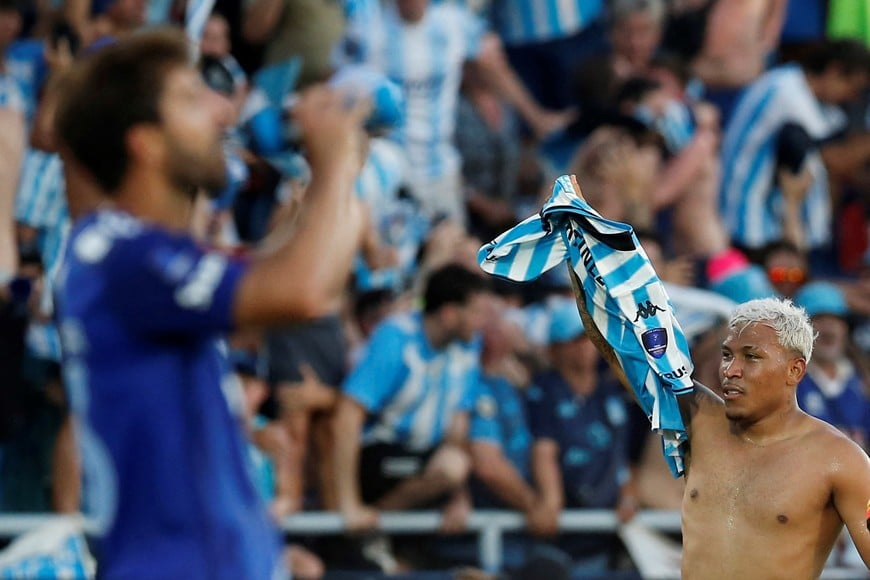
[624,296]
[751,204]
[41,204]
[531,21]
[11,95]
[425,59]
[196,14]
[412,390]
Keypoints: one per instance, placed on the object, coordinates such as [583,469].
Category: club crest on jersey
[655,341]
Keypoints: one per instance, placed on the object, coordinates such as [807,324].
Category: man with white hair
[768,487]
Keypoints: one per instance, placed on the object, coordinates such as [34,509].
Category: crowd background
[732,134]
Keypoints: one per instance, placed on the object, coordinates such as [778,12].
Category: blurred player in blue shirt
[143,308]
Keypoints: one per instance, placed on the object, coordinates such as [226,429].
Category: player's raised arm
[307,263]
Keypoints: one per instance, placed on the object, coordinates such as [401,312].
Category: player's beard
[191,170]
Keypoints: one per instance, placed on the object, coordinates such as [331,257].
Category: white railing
[489,525]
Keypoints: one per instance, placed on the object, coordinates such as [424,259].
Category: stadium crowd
[733,135]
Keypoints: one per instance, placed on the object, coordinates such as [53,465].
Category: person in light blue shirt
[143,308]
[401,423]
[423,47]
[785,121]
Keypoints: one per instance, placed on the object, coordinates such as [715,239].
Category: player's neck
[152,198]
[776,427]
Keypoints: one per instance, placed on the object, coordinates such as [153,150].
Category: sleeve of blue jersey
[378,374]
[165,284]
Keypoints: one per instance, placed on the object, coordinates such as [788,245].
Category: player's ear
[797,368]
[144,143]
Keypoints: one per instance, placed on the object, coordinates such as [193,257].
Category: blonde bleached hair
[794,331]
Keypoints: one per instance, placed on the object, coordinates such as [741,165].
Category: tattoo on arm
[594,334]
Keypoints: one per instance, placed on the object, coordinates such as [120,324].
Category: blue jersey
[592,435]
[840,401]
[141,313]
[499,418]
[411,389]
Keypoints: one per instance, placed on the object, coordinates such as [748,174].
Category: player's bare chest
[761,485]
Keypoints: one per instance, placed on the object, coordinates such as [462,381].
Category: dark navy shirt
[141,314]
[592,435]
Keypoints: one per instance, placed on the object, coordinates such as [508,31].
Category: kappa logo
[646,310]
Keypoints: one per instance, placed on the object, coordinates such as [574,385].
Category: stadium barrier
[489,526]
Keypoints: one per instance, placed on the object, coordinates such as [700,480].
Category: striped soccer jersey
[41,204]
[750,202]
[425,59]
[412,389]
[528,21]
[623,294]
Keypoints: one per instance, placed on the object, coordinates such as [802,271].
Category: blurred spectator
[739,37]
[786,266]
[107,20]
[579,422]
[487,139]
[636,32]
[215,42]
[858,298]
[307,29]
[12,140]
[832,388]
[780,130]
[423,47]
[43,220]
[416,383]
[499,433]
[546,40]
[268,455]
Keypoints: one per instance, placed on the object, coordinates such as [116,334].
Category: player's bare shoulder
[829,448]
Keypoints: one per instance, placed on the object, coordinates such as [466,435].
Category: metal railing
[489,526]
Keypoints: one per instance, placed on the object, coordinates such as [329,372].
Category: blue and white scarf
[623,295]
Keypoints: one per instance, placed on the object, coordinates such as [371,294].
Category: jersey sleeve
[377,376]
[164,284]
[474,28]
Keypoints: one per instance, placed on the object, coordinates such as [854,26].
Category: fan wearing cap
[580,425]
[832,388]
